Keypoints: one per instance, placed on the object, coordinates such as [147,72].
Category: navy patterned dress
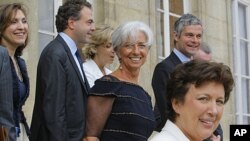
[131,117]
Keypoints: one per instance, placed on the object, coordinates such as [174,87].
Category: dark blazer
[60,103]
[159,83]
[6,97]
[18,103]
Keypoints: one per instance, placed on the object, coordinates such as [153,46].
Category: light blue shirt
[73,48]
[181,56]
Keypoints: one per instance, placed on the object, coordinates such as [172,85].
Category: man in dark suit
[6,94]
[62,88]
[187,38]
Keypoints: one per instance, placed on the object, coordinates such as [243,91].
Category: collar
[71,44]
[181,56]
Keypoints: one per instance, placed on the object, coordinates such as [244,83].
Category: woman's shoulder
[163,136]
[110,78]
[106,85]
[89,63]
[91,67]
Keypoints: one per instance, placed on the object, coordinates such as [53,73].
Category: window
[47,10]
[168,11]
[241,48]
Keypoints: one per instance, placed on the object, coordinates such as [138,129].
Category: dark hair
[185,20]
[70,9]
[6,14]
[197,72]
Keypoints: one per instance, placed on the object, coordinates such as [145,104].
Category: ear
[117,52]
[176,106]
[175,36]
[71,23]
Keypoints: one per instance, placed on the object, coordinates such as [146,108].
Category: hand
[215,138]
[90,139]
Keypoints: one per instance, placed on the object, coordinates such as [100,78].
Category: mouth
[207,123]
[20,34]
[192,46]
[135,58]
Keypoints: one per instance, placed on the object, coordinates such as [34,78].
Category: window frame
[166,26]
[239,76]
[57,3]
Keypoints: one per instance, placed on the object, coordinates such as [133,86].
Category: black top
[131,117]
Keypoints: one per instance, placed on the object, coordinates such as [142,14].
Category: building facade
[227,31]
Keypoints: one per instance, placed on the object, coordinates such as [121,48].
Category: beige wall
[215,14]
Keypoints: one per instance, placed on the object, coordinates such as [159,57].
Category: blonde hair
[100,36]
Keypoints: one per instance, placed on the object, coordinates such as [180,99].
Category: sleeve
[53,81]
[98,111]
[99,105]
[159,85]
[6,99]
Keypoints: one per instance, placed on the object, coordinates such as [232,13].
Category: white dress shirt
[93,72]
[170,132]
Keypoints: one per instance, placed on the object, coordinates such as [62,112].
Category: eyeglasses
[140,45]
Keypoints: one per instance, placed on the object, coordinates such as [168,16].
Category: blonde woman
[98,53]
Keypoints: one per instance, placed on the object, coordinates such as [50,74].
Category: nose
[136,49]
[195,39]
[113,51]
[213,109]
[20,25]
[92,26]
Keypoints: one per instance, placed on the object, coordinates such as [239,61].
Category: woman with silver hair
[118,107]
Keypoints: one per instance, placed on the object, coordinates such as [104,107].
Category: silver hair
[185,20]
[205,47]
[128,31]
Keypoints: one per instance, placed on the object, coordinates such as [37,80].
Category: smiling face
[189,40]
[16,33]
[201,111]
[133,55]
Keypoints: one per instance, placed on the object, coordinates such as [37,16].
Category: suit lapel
[72,60]
[175,59]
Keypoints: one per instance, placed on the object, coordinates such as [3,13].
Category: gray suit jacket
[60,103]
[6,94]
